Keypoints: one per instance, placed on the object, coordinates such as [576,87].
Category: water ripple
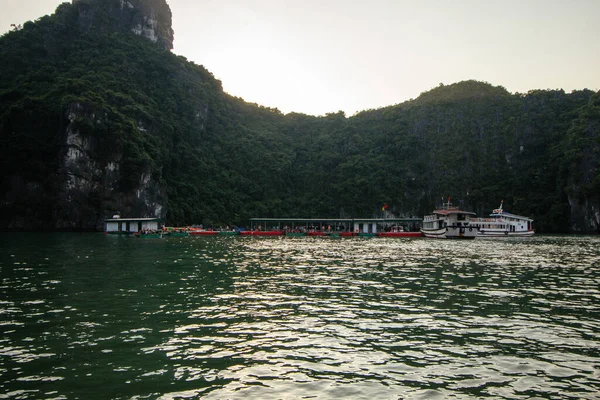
[300,318]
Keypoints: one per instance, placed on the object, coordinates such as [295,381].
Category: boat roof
[448,208]
[452,211]
[507,214]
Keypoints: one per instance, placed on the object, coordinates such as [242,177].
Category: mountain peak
[148,18]
[462,90]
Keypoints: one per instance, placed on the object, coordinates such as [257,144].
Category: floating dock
[344,227]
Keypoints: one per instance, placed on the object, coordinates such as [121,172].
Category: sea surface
[93,316]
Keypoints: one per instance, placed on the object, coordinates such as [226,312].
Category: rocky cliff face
[90,187]
[585,215]
[81,154]
[148,18]
[583,184]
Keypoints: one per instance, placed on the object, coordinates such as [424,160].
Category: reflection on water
[94,316]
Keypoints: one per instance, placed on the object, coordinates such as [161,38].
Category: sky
[322,56]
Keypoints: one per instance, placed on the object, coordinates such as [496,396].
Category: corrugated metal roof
[133,219]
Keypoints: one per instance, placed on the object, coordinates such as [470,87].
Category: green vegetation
[211,158]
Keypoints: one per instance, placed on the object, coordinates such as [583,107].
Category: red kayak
[204,233]
[348,234]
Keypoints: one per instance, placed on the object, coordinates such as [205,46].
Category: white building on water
[118,225]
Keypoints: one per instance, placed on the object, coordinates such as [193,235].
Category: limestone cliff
[148,18]
[583,166]
[89,184]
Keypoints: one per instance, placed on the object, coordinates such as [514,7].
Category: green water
[89,316]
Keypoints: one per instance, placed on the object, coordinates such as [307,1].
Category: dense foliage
[217,159]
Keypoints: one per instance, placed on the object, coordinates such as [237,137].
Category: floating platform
[280,233]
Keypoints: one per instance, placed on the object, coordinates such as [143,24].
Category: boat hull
[504,234]
[450,233]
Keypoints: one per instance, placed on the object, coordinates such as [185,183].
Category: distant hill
[98,117]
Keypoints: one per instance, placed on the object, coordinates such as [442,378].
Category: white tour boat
[449,222]
[503,224]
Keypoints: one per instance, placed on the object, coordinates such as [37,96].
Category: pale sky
[320,56]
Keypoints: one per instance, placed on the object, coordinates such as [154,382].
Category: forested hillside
[95,121]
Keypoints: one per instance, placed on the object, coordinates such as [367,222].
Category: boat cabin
[503,223]
[449,222]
